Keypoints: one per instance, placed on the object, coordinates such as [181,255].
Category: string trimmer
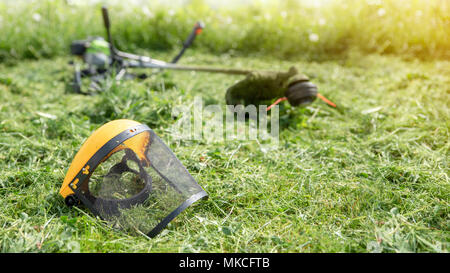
[104,59]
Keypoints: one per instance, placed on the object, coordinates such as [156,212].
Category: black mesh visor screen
[141,193]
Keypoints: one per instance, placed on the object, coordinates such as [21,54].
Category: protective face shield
[125,174]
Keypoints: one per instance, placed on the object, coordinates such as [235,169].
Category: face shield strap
[81,188]
[113,206]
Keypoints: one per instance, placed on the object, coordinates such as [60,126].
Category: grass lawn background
[369,176]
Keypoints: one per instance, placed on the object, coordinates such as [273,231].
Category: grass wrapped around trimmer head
[260,86]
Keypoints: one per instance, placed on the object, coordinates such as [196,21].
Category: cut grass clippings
[369,176]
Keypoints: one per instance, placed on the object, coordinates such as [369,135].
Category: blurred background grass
[284,29]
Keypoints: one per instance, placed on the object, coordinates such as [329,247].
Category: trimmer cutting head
[301,93]
[125,174]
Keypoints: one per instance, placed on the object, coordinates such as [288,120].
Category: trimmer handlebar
[108,33]
[198,27]
[105,17]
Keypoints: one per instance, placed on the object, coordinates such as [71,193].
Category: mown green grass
[371,175]
[284,29]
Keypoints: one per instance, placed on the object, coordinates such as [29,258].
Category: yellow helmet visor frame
[166,189]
